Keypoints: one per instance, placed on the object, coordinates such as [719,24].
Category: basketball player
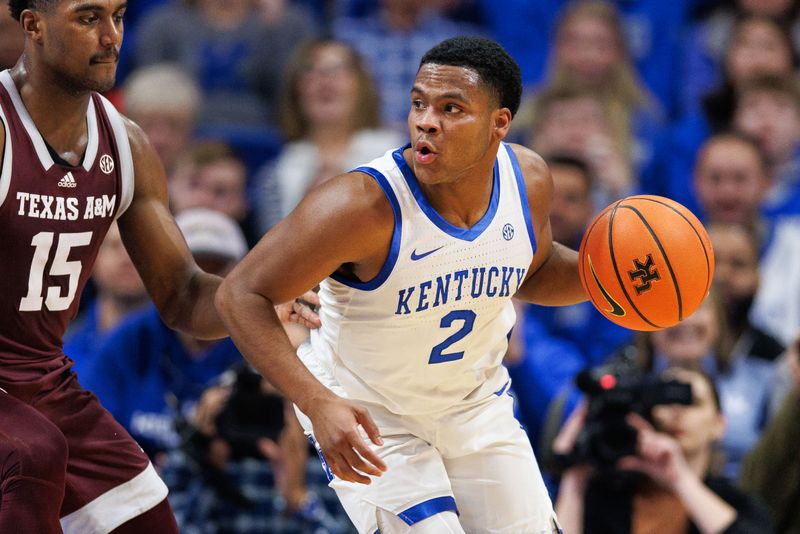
[71,165]
[420,253]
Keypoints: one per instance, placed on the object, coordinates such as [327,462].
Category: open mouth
[423,154]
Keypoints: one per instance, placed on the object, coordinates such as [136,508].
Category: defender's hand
[302,310]
[336,425]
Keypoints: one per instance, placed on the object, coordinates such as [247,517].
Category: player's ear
[31,22]
[502,122]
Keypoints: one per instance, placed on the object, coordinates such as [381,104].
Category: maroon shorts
[109,479]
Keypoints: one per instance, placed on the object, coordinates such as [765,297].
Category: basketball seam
[586,240]
[616,269]
[702,244]
[666,259]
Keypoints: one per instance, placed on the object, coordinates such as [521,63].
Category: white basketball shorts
[473,458]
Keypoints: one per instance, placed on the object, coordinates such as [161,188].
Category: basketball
[646,262]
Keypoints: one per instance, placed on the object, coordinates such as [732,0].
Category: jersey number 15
[61,266]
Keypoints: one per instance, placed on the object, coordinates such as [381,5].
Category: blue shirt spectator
[142,366]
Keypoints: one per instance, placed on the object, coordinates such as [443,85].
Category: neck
[58,112]
[462,200]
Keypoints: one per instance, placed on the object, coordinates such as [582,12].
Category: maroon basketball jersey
[53,218]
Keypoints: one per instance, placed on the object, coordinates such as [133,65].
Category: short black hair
[16,7]
[564,159]
[494,65]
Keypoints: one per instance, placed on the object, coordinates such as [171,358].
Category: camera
[612,392]
[250,414]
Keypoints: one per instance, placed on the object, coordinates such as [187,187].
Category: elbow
[224,298]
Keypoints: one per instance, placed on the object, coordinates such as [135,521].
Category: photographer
[244,466]
[675,490]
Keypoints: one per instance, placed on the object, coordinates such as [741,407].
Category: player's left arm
[182,292]
[552,278]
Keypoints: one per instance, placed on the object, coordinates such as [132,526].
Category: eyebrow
[452,95]
[88,6]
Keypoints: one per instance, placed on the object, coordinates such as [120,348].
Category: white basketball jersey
[431,329]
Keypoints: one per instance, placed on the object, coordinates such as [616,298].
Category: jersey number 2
[437,354]
[43,243]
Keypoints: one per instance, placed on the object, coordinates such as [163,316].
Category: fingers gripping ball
[646,262]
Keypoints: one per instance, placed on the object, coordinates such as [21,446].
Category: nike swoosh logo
[616,309]
[417,257]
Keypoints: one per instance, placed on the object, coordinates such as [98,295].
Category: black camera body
[612,392]
[250,414]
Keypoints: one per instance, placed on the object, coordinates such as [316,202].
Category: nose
[111,34]
[426,120]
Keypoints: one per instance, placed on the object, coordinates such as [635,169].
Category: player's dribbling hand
[336,425]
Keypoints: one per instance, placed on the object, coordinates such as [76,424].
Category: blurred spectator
[392,41]
[736,253]
[768,108]
[731,179]
[575,121]
[777,305]
[148,375]
[706,42]
[164,101]
[331,121]
[772,469]
[558,342]
[243,467]
[235,51]
[119,292]
[12,41]
[678,491]
[590,54]
[209,175]
[758,46]
[745,380]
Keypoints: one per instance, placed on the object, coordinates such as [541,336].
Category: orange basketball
[646,262]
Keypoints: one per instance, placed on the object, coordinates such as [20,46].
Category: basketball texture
[646,262]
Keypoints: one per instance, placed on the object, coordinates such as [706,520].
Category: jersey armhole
[523,196]
[125,156]
[6,164]
[394,249]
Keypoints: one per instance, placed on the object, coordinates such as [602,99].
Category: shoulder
[354,194]
[535,172]
[138,140]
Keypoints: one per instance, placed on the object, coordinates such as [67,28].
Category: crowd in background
[250,103]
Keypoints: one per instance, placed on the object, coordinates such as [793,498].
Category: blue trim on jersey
[425,509]
[394,250]
[523,195]
[465,234]
[504,388]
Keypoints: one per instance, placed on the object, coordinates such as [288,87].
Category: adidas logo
[68,181]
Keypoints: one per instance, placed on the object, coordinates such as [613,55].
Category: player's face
[454,123]
[80,42]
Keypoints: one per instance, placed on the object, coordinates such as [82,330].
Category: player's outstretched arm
[182,292]
[552,278]
[346,220]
